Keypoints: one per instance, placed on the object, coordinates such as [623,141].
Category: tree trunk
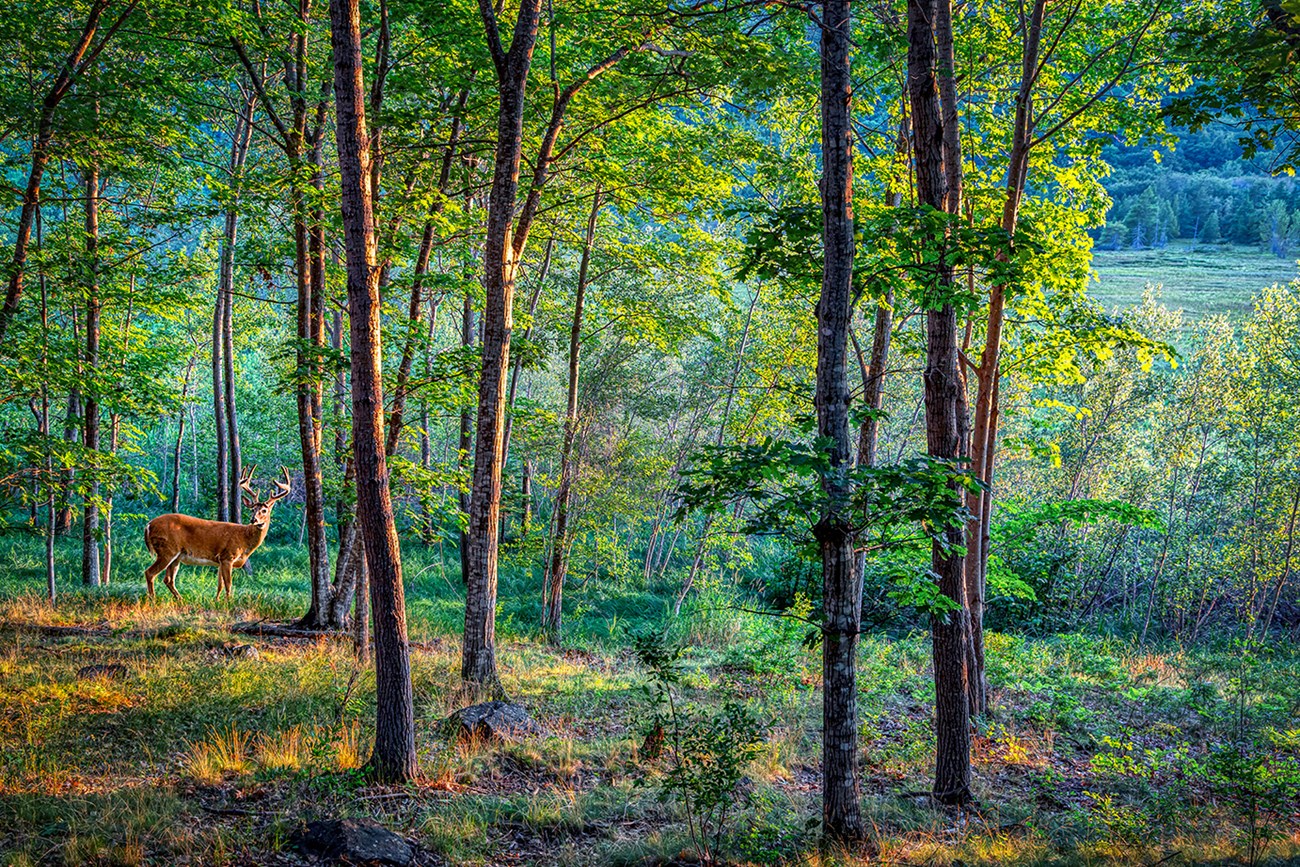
[988,374]
[393,759]
[842,603]
[308,403]
[554,597]
[90,574]
[51,528]
[180,439]
[226,420]
[945,410]
[220,430]
[361,611]
[466,435]
[500,259]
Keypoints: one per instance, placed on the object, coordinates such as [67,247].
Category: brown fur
[175,539]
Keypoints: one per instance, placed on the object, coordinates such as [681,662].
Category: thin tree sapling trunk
[554,596]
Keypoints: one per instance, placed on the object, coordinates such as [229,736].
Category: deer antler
[282,488]
[246,479]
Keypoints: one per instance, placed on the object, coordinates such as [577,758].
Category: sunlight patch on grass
[224,752]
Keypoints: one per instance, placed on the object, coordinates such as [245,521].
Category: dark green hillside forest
[649,433]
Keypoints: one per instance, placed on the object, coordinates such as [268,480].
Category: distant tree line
[1202,191]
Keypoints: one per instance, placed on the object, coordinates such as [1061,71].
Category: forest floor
[198,751]
[1199,279]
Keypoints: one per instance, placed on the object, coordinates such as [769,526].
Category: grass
[1095,752]
[1201,280]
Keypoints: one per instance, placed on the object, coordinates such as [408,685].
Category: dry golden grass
[224,752]
[287,750]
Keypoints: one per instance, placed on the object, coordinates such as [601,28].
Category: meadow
[201,751]
[1199,279]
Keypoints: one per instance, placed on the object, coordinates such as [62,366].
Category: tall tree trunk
[180,438]
[841,599]
[226,420]
[238,156]
[501,249]
[466,434]
[51,528]
[308,403]
[90,574]
[945,410]
[220,430]
[554,596]
[393,759]
[988,374]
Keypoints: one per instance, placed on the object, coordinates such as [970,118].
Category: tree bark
[466,435]
[51,528]
[238,155]
[180,438]
[945,410]
[393,759]
[308,404]
[552,610]
[90,572]
[988,374]
[842,603]
[220,430]
[501,249]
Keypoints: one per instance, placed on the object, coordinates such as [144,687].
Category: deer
[175,539]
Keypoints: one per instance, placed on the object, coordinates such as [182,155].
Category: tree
[82,56]
[841,596]
[393,759]
[559,562]
[938,182]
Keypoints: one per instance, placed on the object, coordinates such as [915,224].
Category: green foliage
[706,751]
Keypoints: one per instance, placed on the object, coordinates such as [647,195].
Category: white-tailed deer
[176,539]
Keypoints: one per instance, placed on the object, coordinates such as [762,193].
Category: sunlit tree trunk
[90,572]
[989,372]
[393,759]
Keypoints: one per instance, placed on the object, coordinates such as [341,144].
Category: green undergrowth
[1095,750]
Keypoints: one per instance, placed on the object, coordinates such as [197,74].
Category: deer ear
[248,502]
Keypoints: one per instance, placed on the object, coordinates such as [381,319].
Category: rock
[355,841]
[111,672]
[494,720]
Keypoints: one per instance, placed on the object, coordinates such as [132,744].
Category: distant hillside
[1202,190]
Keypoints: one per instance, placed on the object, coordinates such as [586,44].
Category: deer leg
[158,565]
[169,577]
[224,579]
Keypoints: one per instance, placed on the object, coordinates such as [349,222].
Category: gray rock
[355,841]
[111,672]
[494,720]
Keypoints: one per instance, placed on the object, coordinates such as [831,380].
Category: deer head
[260,508]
